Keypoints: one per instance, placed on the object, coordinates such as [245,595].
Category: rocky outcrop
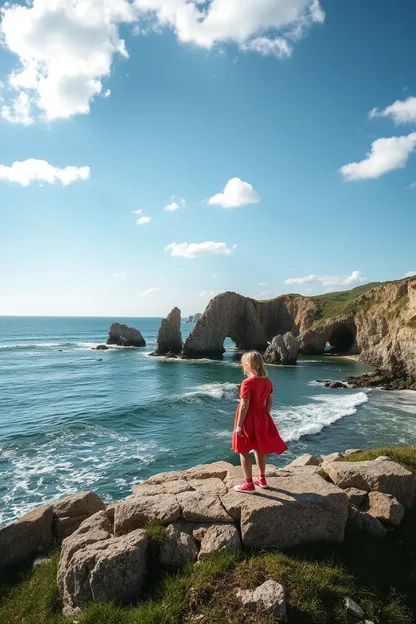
[70,512]
[394,379]
[282,350]
[194,318]
[124,336]
[169,338]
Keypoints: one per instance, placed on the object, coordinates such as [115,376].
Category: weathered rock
[26,537]
[385,507]
[354,609]
[111,509]
[216,470]
[303,460]
[381,476]
[148,488]
[298,507]
[124,336]
[202,507]
[179,546]
[208,486]
[101,347]
[213,537]
[109,570]
[269,598]
[337,385]
[352,452]
[332,457]
[137,511]
[359,521]
[355,496]
[282,350]
[71,511]
[169,338]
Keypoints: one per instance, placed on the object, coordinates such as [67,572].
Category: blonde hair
[252,362]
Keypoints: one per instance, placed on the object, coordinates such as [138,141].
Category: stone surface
[282,350]
[359,521]
[298,507]
[202,507]
[26,537]
[303,460]
[217,470]
[352,452]
[108,570]
[269,598]
[208,486]
[169,338]
[332,457]
[385,507]
[137,511]
[124,336]
[382,476]
[179,546]
[72,510]
[354,609]
[213,537]
[355,496]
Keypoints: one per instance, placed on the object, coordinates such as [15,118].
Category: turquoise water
[72,418]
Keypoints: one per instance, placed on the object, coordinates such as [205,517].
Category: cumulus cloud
[171,207]
[65,50]
[410,273]
[385,155]
[330,280]
[143,220]
[18,110]
[197,250]
[401,111]
[33,170]
[235,194]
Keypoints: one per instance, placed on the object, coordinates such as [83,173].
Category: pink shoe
[245,487]
[260,482]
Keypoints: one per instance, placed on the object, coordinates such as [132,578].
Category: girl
[254,427]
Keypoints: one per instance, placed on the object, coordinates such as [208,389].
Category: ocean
[75,419]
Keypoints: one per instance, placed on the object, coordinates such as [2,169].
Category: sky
[154,153]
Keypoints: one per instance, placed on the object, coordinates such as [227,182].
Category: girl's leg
[247,466]
[261,463]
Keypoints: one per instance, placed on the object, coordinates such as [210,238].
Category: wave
[215,390]
[297,421]
[48,345]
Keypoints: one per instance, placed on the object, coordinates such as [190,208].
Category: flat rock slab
[26,537]
[202,507]
[382,476]
[303,460]
[137,511]
[298,507]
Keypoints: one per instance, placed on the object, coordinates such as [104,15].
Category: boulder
[336,385]
[217,470]
[385,507]
[352,452]
[169,338]
[213,537]
[382,476]
[303,460]
[124,336]
[267,599]
[26,537]
[71,511]
[298,507]
[202,507]
[331,457]
[101,347]
[359,521]
[110,570]
[179,547]
[355,496]
[137,511]
[354,609]
[282,350]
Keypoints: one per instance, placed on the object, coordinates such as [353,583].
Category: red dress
[259,431]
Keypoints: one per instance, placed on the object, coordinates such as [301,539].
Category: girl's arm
[242,413]
[269,403]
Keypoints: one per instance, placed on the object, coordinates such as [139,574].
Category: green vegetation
[345,302]
[380,576]
[156,532]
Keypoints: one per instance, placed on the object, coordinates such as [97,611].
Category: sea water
[75,419]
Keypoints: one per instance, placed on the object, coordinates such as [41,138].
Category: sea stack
[169,338]
[282,350]
[124,336]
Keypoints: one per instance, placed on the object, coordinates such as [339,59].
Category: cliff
[376,321]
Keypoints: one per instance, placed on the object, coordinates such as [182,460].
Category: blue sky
[308,109]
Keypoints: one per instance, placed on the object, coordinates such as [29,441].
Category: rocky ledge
[105,553]
[395,379]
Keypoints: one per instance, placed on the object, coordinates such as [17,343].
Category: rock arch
[340,333]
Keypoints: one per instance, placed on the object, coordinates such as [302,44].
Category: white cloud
[401,111]
[236,193]
[152,291]
[19,110]
[143,220]
[410,274]
[65,50]
[385,155]
[269,47]
[330,280]
[196,250]
[33,170]
[137,212]
[171,207]
[262,284]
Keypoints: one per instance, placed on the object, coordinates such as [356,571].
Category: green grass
[343,303]
[156,532]
[379,575]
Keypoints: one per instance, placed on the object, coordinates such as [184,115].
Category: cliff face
[379,325]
